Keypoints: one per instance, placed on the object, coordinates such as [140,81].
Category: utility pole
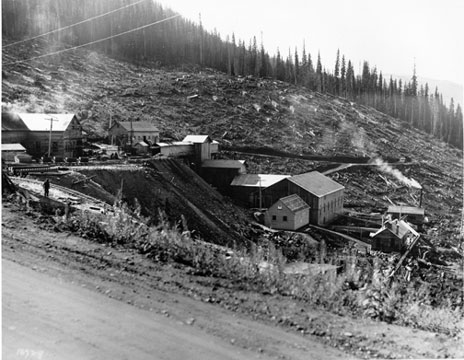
[111,136]
[50,135]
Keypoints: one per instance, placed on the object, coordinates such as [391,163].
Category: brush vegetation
[361,289]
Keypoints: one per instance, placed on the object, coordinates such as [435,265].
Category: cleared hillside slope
[243,112]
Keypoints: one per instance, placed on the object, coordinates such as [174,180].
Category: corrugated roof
[142,143]
[294,203]
[13,147]
[197,139]
[138,126]
[225,164]
[257,180]
[316,183]
[41,122]
[406,210]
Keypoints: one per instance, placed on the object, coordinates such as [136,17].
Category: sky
[392,35]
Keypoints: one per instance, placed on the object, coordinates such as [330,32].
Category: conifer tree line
[183,42]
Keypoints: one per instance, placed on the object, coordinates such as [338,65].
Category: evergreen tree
[342,89]
[319,78]
[297,74]
[337,73]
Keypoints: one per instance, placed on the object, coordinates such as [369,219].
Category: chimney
[420,199]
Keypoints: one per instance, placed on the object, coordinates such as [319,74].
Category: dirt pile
[174,188]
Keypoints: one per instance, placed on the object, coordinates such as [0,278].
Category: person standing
[46,186]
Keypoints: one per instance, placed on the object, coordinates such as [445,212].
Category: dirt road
[65,297]
[58,310]
[52,319]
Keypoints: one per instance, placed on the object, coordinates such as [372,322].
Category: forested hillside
[145,32]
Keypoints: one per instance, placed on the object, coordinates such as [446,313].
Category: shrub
[362,288]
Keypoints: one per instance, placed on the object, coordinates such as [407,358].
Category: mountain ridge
[449,89]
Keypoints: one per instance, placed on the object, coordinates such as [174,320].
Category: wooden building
[141,148]
[220,173]
[124,133]
[33,132]
[414,215]
[247,188]
[202,146]
[394,236]
[288,213]
[187,149]
[322,194]
[9,151]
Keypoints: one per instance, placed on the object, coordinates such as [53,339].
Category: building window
[274,217]
[285,218]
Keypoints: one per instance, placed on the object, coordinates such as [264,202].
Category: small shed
[394,236]
[9,151]
[288,213]
[415,215]
[106,149]
[141,148]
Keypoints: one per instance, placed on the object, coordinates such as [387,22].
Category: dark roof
[11,121]
[294,203]
[406,210]
[138,126]
[316,183]
[224,164]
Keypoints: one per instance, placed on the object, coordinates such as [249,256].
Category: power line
[73,25]
[93,42]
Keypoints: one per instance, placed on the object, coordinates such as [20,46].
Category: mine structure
[286,202]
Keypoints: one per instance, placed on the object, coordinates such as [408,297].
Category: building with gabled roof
[202,146]
[37,132]
[395,235]
[288,213]
[322,194]
[318,184]
[197,139]
[123,133]
[9,151]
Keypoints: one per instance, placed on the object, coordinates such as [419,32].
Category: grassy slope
[242,111]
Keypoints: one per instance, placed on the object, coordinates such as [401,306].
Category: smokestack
[420,199]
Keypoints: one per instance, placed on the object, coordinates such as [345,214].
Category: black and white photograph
[199,179]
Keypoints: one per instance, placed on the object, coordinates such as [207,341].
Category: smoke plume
[383,166]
